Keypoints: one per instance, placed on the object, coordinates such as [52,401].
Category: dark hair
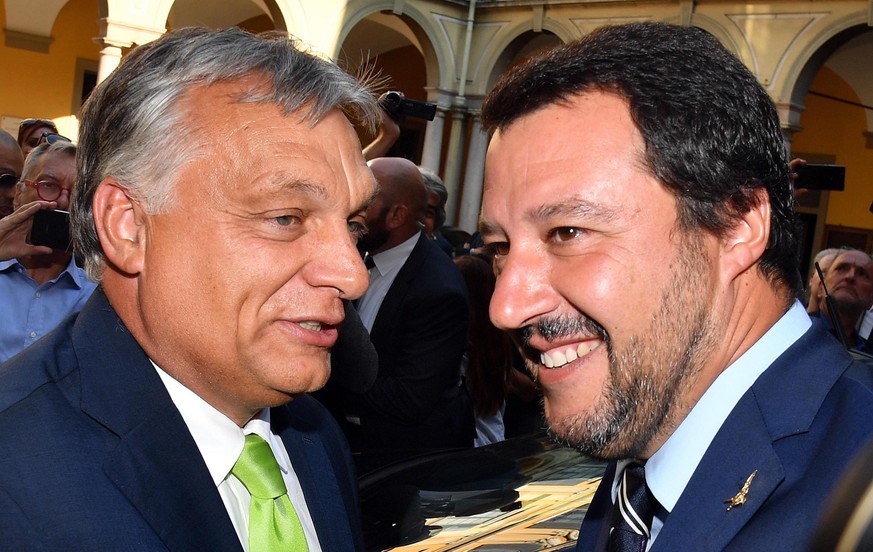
[712,134]
[133,130]
[489,350]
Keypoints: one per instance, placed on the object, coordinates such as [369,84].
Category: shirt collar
[393,259]
[218,438]
[7,264]
[76,274]
[671,467]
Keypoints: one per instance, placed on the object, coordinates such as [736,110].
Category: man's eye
[497,249]
[285,220]
[566,233]
[357,229]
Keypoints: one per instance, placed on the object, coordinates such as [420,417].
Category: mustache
[554,328]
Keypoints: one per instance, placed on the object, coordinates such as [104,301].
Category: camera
[398,107]
[52,229]
[821,177]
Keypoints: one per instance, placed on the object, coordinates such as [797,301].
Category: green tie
[273,523]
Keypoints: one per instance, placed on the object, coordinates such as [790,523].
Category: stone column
[471,201]
[433,141]
[454,162]
[110,57]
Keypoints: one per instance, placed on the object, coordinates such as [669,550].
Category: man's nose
[63,200]
[338,264]
[523,291]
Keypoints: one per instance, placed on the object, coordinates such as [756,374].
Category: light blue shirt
[671,467]
[28,310]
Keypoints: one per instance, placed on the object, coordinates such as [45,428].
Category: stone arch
[502,52]
[728,40]
[439,65]
[809,59]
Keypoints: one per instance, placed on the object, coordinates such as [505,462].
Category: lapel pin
[740,498]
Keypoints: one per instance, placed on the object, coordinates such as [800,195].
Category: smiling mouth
[312,326]
[555,358]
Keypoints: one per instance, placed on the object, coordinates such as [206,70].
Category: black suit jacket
[420,334]
[95,456]
[799,425]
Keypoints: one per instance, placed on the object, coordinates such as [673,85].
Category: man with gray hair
[39,286]
[220,192]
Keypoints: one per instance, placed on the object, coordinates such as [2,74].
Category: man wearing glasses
[40,286]
[31,132]
[11,163]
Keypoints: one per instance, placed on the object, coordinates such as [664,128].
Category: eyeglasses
[47,190]
[51,138]
[8,180]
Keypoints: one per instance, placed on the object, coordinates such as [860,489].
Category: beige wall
[41,85]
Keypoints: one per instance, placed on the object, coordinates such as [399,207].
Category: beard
[649,374]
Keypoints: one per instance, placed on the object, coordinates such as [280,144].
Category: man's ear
[745,243]
[121,227]
[396,216]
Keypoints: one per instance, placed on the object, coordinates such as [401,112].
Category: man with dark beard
[416,311]
[638,204]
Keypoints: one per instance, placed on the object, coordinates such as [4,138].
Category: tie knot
[258,470]
[636,493]
[633,511]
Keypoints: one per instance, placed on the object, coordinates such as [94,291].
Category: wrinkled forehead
[856,258]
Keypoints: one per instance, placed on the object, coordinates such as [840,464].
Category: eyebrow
[368,201]
[574,207]
[306,187]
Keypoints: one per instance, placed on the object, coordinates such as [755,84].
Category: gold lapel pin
[740,498]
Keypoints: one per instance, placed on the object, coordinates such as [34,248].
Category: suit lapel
[394,298]
[152,458]
[783,402]
[315,473]
[701,519]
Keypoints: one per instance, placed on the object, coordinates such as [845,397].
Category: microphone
[832,309]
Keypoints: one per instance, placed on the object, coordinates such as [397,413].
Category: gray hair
[435,184]
[133,130]
[38,152]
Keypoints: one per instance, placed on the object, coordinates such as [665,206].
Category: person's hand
[388,133]
[792,175]
[14,229]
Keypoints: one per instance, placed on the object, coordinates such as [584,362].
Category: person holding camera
[39,286]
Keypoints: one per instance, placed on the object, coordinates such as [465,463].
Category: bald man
[417,313]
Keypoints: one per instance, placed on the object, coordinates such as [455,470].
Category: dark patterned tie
[632,512]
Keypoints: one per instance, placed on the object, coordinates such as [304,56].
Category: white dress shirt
[388,264]
[671,467]
[221,442]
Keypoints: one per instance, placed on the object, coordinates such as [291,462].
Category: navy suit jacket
[420,334]
[799,426]
[95,456]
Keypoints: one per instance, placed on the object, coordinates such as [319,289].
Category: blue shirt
[28,310]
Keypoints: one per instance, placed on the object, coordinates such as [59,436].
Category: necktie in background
[632,512]
[273,523]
